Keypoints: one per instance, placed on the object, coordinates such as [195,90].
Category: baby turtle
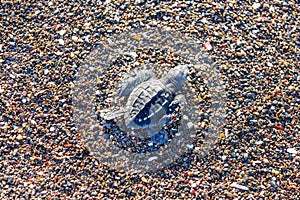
[150,99]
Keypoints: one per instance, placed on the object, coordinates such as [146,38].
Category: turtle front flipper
[179,100]
[130,83]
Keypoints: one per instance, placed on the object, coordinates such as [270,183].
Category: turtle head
[177,76]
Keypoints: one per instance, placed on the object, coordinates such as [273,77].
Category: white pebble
[152,158]
[190,125]
[266,160]
[292,150]
[259,142]
[40,173]
[226,132]
[74,38]
[271,9]
[46,71]
[61,41]
[292,88]
[256,162]
[62,32]
[207,46]
[236,185]
[87,38]
[256,5]
[132,54]
[31,186]
[59,53]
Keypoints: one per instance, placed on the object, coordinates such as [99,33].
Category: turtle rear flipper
[111,114]
[130,83]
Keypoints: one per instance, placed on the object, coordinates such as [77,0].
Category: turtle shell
[147,104]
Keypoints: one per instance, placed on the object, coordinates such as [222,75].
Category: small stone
[152,158]
[46,71]
[276,172]
[19,137]
[256,162]
[224,158]
[271,9]
[87,38]
[137,37]
[132,54]
[192,192]
[266,160]
[222,135]
[277,89]
[292,150]
[259,142]
[241,187]
[40,173]
[74,38]
[240,53]
[229,194]
[144,180]
[208,46]
[256,5]
[52,129]
[62,32]
[292,88]
[279,127]
[59,53]
[194,185]
[61,41]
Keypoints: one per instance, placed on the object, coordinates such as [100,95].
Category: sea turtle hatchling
[150,99]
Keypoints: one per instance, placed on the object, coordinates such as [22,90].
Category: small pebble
[19,137]
[74,38]
[208,46]
[61,41]
[62,32]
[236,185]
[256,5]
[292,151]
